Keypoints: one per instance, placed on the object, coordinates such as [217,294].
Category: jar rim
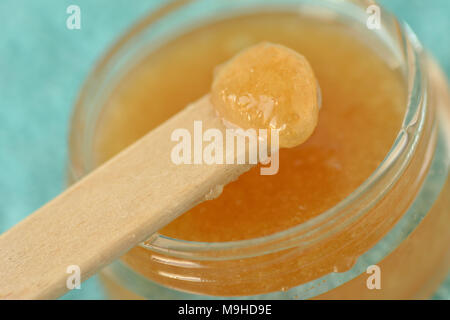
[318,227]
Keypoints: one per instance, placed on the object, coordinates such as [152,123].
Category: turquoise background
[43,65]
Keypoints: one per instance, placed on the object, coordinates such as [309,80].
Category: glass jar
[397,219]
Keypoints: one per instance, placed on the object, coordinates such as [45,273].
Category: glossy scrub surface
[363,101]
[268,86]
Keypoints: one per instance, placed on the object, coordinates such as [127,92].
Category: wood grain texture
[109,211]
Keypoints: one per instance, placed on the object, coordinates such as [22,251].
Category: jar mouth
[403,42]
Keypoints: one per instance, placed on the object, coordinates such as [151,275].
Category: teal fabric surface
[43,65]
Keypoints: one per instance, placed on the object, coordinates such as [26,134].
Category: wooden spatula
[129,198]
[108,212]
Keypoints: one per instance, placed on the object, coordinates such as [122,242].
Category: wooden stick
[109,211]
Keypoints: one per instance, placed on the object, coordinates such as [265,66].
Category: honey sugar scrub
[268,86]
[361,104]
[119,212]
[362,182]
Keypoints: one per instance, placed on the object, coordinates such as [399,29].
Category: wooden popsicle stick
[109,211]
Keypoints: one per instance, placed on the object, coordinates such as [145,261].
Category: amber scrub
[268,86]
[363,102]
